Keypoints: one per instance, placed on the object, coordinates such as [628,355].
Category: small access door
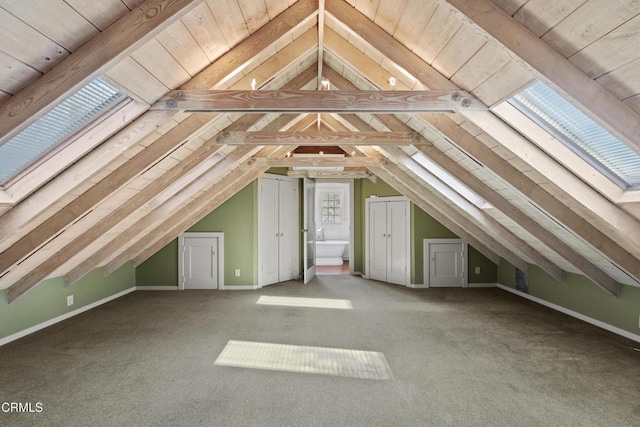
[445,263]
[199,260]
[309,230]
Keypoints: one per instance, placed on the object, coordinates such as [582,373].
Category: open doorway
[334,234]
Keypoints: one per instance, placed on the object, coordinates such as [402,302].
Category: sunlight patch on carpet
[343,304]
[303,359]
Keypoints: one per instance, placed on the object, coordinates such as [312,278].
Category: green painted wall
[48,299]
[580,295]
[237,218]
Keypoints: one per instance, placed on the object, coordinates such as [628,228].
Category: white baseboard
[241,288]
[575,314]
[470,285]
[62,317]
[156,288]
[482,285]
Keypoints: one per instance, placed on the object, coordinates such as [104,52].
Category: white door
[288,230]
[378,252]
[446,263]
[397,242]
[200,263]
[309,229]
[268,231]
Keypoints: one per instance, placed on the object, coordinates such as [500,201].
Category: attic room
[320,212]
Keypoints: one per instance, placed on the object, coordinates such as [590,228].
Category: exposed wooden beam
[351,162]
[320,40]
[108,185]
[551,67]
[493,228]
[325,101]
[532,191]
[89,61]
[321,139]
[344,174]
[197,209]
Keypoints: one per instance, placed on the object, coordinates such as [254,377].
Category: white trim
[416,286]
[216,235]
[575,314]
[65,316]
[482,285]
[157,288]
[242,288]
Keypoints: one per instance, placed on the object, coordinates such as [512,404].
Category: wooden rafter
[290,162]
[145,241]
[587,268]
[325,101]
[89,61]
[546,237]
[321,139]
[428,76]
[214,75]
[420,189]
[551,67]
[352,173]
[157,188]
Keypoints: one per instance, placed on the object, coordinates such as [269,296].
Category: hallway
[457,357]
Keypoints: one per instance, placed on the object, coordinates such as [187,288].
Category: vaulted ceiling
[130,182]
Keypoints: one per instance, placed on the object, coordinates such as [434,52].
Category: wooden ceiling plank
[54,19]
[244,52]
[306,101]
[89,61]
[552,68]
[320,138]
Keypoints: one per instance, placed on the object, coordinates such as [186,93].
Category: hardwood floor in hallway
[456,357]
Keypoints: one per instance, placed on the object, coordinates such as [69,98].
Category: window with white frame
[66,119]
[581,134]
[331,207]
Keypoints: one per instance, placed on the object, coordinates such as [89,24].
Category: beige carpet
[457,356]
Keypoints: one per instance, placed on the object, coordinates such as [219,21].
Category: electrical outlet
[69,300]
[477,270]
[237,272]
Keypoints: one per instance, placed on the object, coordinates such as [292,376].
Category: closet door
[288,230]
[268,231]
[396,242]
[378,241]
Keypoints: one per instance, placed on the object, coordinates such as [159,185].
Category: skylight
[581,134]
[68,117]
